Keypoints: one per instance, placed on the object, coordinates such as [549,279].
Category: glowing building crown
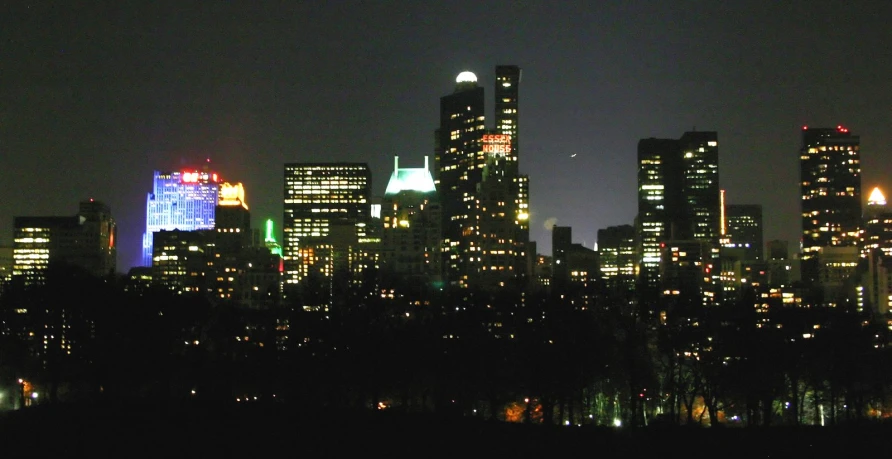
[876,198]
[414,179]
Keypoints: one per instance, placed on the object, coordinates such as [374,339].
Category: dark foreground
[255,430]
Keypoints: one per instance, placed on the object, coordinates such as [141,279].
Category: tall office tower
[500,258]
[327,214]
[185,200]
[742,229]
[876,247]
[877,225]
[412,224]
[659,193]
[507,90]
[87,240]
[459,161]
[678,200]
[507,117]
[701,186]
[617,257]
[233,240]
[830,179]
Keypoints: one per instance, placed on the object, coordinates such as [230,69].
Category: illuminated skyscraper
[327,214]
[877,225]
[185,200]
[830,179]
[700,156]
[500,260]
[678,200]
[412,220]
[461,159]
[659,178]
[876,247]
[507,93]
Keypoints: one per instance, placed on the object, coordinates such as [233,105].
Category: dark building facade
[743,230]
[561,245]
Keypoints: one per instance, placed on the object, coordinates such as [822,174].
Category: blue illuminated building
[182,200]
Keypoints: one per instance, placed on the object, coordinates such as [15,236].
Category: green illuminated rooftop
[410,179]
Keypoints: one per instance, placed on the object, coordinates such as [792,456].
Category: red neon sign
[497,143]
[189,177]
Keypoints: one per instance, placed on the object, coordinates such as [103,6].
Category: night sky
[93,99]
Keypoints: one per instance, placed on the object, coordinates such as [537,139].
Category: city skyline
[91,108]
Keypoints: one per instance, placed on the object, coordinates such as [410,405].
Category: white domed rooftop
[466,77]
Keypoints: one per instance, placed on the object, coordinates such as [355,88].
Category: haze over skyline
[93,99]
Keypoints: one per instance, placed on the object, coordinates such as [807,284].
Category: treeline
[512,356]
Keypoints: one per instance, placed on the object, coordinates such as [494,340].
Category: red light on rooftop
[804,128]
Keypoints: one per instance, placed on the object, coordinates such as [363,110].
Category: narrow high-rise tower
[830,182]
[507,115]
[459,161]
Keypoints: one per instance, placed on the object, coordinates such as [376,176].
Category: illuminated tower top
[466,77]
[876,198]
[269,238]
[410,179]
